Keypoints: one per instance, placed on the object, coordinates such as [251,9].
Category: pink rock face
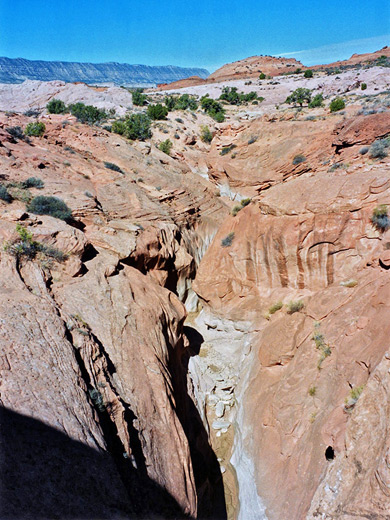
[311,239]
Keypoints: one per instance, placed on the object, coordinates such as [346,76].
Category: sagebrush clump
[52,206]
[295,306]
[379,148]
[380,218]
[228,240]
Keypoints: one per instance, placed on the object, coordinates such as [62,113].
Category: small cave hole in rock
[329,453]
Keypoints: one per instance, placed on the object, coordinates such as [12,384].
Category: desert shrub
[16,132]
[253,139]
[228,240]
[298,159]
[87,113]
[312,391]
[300,95]
[32,112]
[245,202]
[113,167]
[363,150]
[321,345]
[4,195]
[378,149]
[295,306]
[157,111]
[262,75]
[213,108]
[380,217]
[179,120]
[317,101]
[69,149]
[53,206]
[36,129]
[185,102]
[356,392]
[206,135]
[231,96]
[226,149]
[275,307]
[337,104]
[363,86]
[108,128]
[139,99]
[118,127]
[165,146]
[56,106]
[25,246]
[308,73]
[170,102]
[33,182]
[19,192]
[138,127]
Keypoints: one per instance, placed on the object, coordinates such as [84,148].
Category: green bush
[298,159]
[87,113]
[308,73]
[380,218]
[53,206]
[206,135]
[363,86]
[36,129]
[139,99]
[213,108]
[336,105]
[262,76]
[4,195]
[138,127]
[56,106]
[112,166]
[157,112]
[317,101]
[300,95]
[118,127]
[170,103]
[185,102]
[228,240]
[231,96]
[165,146]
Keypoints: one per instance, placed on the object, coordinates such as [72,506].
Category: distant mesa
[270,66]
[19,69]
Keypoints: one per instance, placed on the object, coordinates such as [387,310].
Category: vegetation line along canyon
[195,295]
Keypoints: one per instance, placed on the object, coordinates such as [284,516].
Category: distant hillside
[17,70]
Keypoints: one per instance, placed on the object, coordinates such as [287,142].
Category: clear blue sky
[204,33]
